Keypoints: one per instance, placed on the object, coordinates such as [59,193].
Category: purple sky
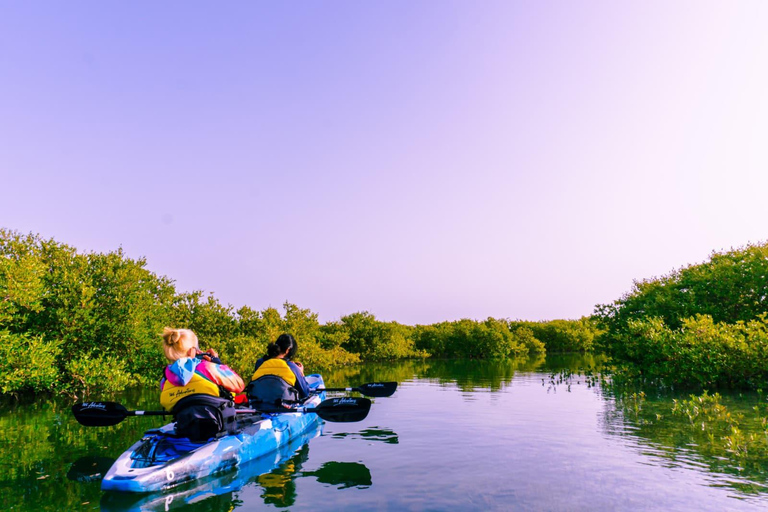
[421,160]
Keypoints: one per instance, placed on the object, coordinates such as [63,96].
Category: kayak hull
[161,461]
[211,487]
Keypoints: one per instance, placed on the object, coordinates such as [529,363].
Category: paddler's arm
[301,383]
[209,355]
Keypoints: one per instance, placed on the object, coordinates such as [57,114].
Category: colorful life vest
[170,394]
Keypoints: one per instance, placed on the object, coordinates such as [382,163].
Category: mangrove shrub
[703,325]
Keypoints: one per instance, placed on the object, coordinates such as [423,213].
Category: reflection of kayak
[160,460]
[211,490]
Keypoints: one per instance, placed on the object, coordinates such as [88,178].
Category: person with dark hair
[278,382]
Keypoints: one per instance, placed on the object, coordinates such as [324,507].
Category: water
[455,436]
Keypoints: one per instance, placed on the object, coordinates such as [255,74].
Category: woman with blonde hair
[196,386]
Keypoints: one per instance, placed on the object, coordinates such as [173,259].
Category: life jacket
[271,387]
[170,394]
[201,408]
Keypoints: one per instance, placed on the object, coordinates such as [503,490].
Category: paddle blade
[344,409]
[99,414]
[378,389]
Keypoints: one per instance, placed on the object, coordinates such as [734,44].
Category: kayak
[161,460]
[217,488]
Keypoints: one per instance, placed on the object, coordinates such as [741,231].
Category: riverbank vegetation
[77,323]
[703,326]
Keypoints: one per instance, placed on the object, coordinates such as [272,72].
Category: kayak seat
[270,393]
[200,417]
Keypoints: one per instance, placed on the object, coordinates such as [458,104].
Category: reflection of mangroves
[400,371]
[279,486]
[89,468]
[489,374]
[45,441]
[371,434]
[726,434]
[492,375]
[342,474]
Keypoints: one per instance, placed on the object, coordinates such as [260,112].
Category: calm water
[455,436]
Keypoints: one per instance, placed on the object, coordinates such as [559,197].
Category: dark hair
[284,342]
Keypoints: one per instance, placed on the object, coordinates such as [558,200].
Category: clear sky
[421,160]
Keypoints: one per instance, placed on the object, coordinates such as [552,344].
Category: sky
[420,160]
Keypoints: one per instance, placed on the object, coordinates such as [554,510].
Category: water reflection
[467,375]
[594,446]
[371,434]
[671,439]
[89,468]
[279,485]
[342,475]
[471,376]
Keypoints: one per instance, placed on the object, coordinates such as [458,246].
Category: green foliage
[526,338]
[213,322]
[470,339]
[701,352]
[29,363]
[78,306]
[332,335]
[21,273]
[732,286]
[703,325]
[98,374]
[560,336]
[376,340]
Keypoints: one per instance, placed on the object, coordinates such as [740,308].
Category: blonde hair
[177,342]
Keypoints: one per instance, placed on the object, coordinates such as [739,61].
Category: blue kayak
[215,486]
[161,460]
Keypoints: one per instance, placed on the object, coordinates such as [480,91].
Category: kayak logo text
[181,392]
[94,405]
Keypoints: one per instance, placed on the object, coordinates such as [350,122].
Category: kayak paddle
[105,414]
[374,389]
[344,409]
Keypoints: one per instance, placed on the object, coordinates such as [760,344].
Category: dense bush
[560,336]
[470,339]
[700,352]
[730,287]
[60,307]
[376,340]
[28,362]
[703,325]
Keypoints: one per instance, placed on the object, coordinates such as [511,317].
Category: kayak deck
[161,460]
